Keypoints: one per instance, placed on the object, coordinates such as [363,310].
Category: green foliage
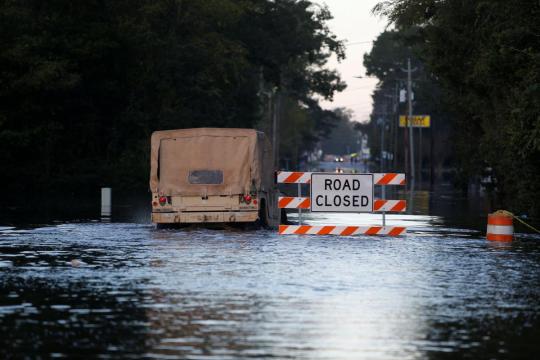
[386,61]
[83,84]
[486,55]
[293,132]
[305,125]
[344,137]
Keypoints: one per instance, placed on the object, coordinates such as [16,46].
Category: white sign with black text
[341,192]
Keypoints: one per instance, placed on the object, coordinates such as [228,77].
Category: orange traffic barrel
[500,226]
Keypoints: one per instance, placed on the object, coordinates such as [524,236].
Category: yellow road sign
[417,121]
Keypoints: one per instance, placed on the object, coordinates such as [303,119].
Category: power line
[358,88]
[358,42]
[356,104]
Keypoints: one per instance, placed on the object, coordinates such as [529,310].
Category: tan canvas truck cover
[237,156]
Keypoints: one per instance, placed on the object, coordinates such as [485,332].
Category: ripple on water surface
[128,289]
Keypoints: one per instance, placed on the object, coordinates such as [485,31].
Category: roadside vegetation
[479,77]
[84,84]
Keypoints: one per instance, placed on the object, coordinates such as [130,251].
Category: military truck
[213,175]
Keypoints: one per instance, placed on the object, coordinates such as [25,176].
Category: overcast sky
[354,22]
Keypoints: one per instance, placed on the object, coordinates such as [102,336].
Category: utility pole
[395,126]
[278,112]
[275,123]
[270,124]
[409,119]
[382,122]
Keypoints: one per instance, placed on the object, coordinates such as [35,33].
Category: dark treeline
[84,83]
[479,65]
[388,61]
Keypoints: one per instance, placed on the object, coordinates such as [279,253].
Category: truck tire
[283,215]
[263,215]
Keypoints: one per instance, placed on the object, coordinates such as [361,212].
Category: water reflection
[123,290]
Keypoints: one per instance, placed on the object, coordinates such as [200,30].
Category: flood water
[125,289]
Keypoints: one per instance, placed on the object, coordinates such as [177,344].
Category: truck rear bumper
[204,217]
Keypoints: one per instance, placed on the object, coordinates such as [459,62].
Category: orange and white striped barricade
[500,226]
[304,203]
[298,177]
[341,230]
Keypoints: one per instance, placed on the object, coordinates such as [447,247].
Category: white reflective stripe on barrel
[500,229]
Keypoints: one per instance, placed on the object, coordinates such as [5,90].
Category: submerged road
[128,290]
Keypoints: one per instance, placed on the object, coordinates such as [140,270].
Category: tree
[486,56]
[344,138]
[386,61]
[83,86]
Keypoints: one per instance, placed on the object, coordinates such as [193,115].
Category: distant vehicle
[211,175]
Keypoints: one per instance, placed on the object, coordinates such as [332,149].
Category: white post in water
[106,202]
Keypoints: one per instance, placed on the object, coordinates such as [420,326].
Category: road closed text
[341,192]
[345,200]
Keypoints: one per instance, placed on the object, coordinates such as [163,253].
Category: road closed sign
[341,192]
